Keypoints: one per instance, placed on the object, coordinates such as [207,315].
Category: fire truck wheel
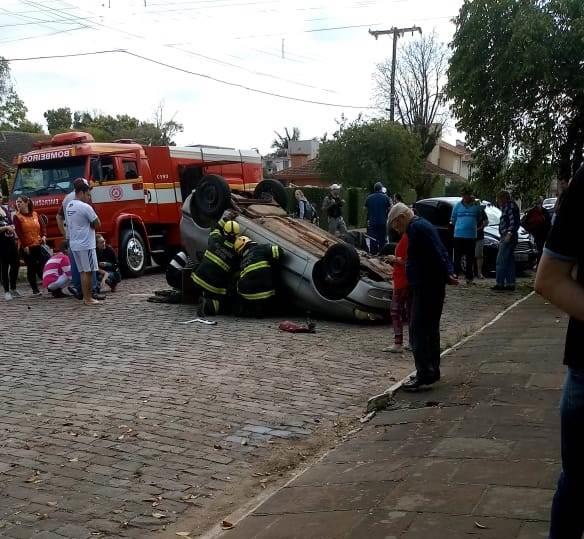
[337,273]
[212,197]
[133,254]
[273,188]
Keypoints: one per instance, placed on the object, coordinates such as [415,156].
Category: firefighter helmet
[241,242]
[231,228]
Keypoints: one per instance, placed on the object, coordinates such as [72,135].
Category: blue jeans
[505,266]
[76,277]
[567,518]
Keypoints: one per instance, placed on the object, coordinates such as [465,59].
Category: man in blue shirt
[465,219]
[428,269]
[378,205]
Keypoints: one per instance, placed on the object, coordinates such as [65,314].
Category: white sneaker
[36,294]
[7,296]
[16,293]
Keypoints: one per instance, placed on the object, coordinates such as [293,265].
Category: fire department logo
[116,192]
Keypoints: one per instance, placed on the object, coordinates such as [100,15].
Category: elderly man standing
[428,270]
[332,204]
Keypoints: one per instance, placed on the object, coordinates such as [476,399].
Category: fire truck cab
[137,190]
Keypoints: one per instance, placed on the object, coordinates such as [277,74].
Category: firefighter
[255,285]
[216,270]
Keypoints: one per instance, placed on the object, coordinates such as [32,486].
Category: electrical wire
[196,74]
[196,54]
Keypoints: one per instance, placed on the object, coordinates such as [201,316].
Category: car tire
[337,273]
[133,254]
[211,198]
[273,188]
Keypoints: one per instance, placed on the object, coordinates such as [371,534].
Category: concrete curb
[382,401]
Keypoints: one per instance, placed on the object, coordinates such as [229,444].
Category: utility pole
[397,33]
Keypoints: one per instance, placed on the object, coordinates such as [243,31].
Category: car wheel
[133,254]
[337,273]
[273,188]
[211,198]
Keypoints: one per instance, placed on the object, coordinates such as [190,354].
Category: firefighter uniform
[217,267]
[256,286]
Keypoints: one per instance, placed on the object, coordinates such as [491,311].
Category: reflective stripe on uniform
[275,252]
[214,258]
[252,267]
[207,286]
[258,295]
[215,232]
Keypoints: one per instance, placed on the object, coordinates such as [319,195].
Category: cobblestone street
[118,421]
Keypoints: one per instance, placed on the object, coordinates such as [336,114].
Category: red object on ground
[292,327]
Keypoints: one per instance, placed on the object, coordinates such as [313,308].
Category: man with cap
[428,270]
[82,222]
[332,205]
[378,205]
[75,288]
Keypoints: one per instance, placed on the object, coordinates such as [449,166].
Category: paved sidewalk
[477,456]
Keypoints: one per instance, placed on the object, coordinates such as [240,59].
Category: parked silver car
[319,273]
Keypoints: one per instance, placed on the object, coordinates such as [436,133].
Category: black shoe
[417,384]
[74,292]
[98,296]
[164,293]
[498,288]
[510,288]
[58,293]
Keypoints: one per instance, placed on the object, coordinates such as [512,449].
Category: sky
[311,50]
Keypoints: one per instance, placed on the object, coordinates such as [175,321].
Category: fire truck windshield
[48,177]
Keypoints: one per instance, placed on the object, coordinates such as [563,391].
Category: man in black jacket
[428,269]
[255,285]
[217,268]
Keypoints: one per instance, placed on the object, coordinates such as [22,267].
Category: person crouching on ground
[216,271]
[428,269]
[109,271]
[256,286]
[57,273]
[400,302]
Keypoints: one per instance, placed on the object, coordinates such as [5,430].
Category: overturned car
[318,272]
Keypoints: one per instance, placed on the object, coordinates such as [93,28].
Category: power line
[196,74]
[194,53]
[37,36]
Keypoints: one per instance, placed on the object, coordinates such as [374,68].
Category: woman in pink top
[57,274]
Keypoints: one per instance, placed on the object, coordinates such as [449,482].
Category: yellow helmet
[231,228]
[241,242]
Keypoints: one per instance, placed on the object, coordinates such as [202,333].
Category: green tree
[107,128]
[517,86]
[280,143]
[419,87]
[58,120]
[363,152]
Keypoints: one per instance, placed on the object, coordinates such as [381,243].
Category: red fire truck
[138,190]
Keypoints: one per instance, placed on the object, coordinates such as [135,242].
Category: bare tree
[420,78]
